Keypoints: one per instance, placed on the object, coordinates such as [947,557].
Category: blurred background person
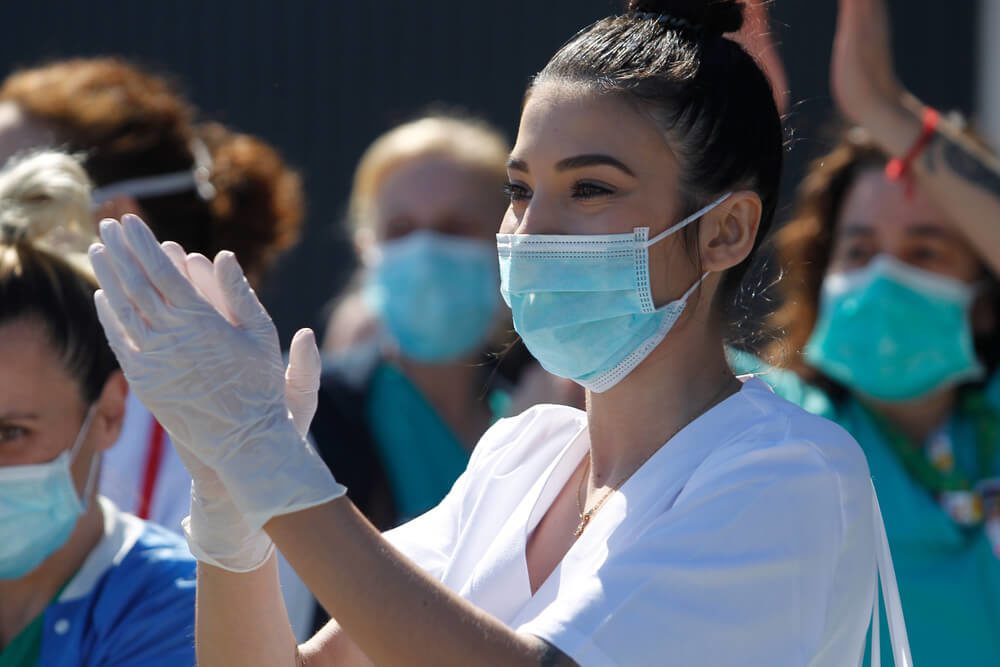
[81,582]
[199,184]
[408,391]
[889,327]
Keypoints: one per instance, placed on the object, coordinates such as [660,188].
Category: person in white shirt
[684,518]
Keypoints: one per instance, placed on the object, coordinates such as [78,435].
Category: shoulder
[135,593]
[778,451]
[785,383]
[536,435]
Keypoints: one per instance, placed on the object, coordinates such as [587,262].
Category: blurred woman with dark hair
[889,327]
[81,582]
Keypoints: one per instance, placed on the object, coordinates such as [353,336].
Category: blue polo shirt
[130,604]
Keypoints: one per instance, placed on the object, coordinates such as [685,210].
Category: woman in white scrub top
[684,518]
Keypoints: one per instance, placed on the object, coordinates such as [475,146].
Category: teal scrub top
[948,576]
[421,455]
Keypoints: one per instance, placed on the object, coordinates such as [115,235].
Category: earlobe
[729,235]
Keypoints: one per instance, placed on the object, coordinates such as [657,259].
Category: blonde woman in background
[412,384]
[81,582]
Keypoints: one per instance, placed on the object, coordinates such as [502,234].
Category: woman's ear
[727,233]
[109,411]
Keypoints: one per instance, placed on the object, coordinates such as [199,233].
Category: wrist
[217,534]
[895,123]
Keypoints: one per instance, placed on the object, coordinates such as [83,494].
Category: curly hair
[129,123]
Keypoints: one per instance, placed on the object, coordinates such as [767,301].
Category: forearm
[241,618]
[962,178]
[393,611]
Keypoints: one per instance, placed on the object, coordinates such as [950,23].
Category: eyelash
[586,190]
[515,192]
[582,190]
[11,432]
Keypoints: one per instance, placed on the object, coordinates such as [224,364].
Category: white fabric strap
[686,221]
[890,593]
[147,186]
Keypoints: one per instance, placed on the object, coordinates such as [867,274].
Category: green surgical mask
[893,332]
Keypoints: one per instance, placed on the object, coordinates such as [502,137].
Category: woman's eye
[923,255]
[516,192]
[590,190]
[856,254]
[9,433]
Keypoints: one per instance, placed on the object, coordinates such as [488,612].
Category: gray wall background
[320,79]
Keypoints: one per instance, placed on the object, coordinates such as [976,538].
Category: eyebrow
[17,415]
[577,162]
[925,230]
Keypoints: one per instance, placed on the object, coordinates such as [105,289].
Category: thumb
[302,379]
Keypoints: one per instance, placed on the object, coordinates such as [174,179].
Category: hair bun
[713,17]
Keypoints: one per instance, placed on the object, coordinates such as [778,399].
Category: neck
[455,390]
[21,600]
[919,418]
[679,381]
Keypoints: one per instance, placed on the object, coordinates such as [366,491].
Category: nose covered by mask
[39,508]
[435,294]
[893,332]
[583,304]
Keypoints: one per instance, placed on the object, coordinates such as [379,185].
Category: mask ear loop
[80,437]
[686,221]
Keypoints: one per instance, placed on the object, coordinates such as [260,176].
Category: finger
[160,271]
[202,274]
[175,252]
[240,298]
[127,318]
[118,339]
[302,378]
[132,279]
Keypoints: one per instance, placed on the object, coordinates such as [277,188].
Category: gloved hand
[215,383]
[215,529]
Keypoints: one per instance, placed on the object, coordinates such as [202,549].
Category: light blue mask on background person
[435,294]
[39,508]
[894,332]
[583,304]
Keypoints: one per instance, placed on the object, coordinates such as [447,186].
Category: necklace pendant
[584,520]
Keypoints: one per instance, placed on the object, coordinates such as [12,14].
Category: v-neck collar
[650,490]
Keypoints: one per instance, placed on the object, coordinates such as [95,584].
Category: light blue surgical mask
[39,508]
[893,332]
[435,294]
[583,305]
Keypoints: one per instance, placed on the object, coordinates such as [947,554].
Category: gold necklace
[585,514]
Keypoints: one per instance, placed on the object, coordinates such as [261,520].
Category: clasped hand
[211,374]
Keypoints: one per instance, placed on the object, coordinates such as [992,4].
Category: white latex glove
[216,531]
[216,384]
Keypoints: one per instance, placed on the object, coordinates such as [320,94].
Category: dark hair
[130,123]
[804,246]
[39,286]
[708,95]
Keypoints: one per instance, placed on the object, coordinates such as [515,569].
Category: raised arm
[216,383]
[961,177]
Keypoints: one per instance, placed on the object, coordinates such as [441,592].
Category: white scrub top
[749,539]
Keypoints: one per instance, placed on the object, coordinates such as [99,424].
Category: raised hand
[216,382]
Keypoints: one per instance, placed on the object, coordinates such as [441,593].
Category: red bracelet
[900,168]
